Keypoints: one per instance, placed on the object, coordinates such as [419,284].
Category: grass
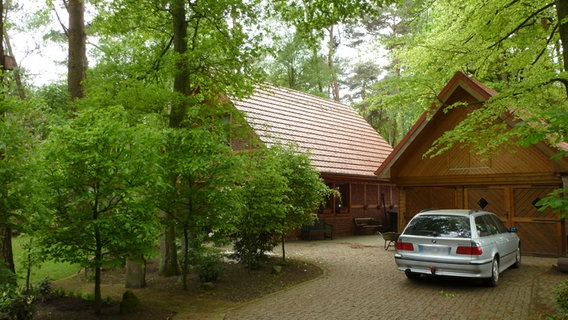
[49,269]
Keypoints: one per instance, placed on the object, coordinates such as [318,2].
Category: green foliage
[298,66]
[210,266]
[16,148]
[513,47]
[305,190]
[504,45]
[263,208]
[251,247]
[6,275]
[99,169]
[43,287]
[15,304]
[282,191]
[201,195]
[561,296]
[137,48]
[557,201]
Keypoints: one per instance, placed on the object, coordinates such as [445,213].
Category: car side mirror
[513,229]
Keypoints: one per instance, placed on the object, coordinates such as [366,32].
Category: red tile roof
[339,140]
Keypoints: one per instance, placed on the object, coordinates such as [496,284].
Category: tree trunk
[16,70]
[169,263]
[136,272]
[562,12]
[6,253]
[77,65]
[330,64]
[98,264]
[185,268]
[181,78]
[283,240]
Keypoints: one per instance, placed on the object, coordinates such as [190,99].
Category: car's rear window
[439,226]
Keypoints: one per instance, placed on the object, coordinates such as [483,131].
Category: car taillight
[407,246]
[473,250]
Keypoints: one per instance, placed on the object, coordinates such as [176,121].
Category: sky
[42,59]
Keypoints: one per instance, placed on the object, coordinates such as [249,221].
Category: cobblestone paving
[361,282]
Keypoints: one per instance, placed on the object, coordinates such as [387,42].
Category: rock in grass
[129,303]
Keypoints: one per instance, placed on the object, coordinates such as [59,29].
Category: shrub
[16,304]
[42,289]
[60,292]
[251,248]
[209,267]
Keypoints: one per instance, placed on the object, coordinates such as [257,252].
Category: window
[501,227]
[342,203]
[481,226]
[440,226]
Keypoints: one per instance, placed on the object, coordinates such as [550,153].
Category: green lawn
[49,269]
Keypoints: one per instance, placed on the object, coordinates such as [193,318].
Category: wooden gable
[408,166]
[509,184]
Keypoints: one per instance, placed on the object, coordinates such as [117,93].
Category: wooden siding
[364,199]
[459,162]
[492,199]
[540,237]
[509,183]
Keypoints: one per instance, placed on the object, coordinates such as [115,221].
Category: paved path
[361,282]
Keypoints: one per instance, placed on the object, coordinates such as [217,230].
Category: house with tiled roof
[509,184]
[344,148]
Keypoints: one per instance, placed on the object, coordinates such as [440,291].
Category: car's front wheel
[412,275]
[494,279]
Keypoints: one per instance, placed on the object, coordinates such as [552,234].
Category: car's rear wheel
[412,275]
[494,279]
[517,258]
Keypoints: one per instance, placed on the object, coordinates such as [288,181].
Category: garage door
[418,199]
[540,231]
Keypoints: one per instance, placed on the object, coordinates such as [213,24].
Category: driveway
[361,282]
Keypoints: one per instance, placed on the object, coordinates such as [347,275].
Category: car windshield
[439,226]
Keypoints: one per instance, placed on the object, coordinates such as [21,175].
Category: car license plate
[434,249]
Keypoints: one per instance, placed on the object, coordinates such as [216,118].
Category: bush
[15,304]
[42,289]
[251,248]
[210,267]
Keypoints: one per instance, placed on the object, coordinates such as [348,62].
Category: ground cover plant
[71,298]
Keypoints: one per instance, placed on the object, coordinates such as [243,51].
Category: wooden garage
[509,184]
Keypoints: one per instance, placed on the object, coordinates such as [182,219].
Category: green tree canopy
[98,171]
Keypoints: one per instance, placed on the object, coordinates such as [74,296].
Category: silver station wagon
[460,243]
